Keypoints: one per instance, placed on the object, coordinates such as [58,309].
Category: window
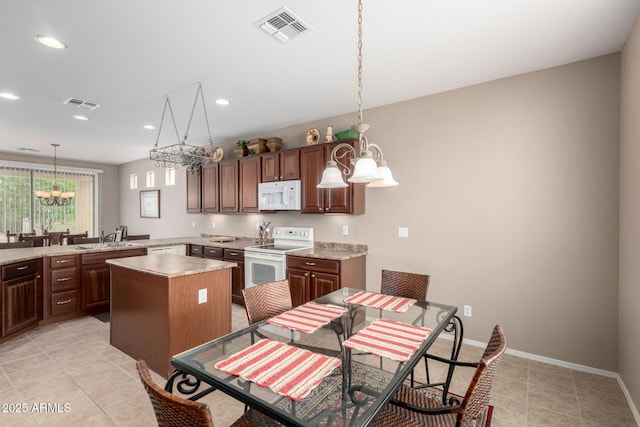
[21,211]
[133,181]
[170,177]
[151,179]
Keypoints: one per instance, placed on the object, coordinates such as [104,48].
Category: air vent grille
[82,104]
[283,25]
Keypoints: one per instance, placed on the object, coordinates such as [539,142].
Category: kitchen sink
[106,245]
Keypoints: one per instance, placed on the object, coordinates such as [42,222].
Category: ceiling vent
[283,25]
[82,104]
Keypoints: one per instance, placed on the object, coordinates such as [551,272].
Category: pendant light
[369,166]
[55,197]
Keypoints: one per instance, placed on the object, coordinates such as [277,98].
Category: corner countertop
[170,265]
[325,250]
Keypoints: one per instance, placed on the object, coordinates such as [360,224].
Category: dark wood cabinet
[95,276]
[210,185]
[281,165]
[311,278]
[250,170]
[21,288]
[350,200]
[228,188]
[62,286]
[194,191]
[237,274]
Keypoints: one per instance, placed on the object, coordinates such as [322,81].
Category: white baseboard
[634,410]
[562,363]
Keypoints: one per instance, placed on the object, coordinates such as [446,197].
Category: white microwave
[279,196]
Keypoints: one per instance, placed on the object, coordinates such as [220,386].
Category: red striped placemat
[308,317]
[384,302]
[287,370]
[388,338]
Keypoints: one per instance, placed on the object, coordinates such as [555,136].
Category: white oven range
[268,263]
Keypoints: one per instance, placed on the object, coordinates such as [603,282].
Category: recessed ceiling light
[50,42]
[221,101]
[150,127]
[7,95]
[79,117]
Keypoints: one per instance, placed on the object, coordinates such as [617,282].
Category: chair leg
[455,326]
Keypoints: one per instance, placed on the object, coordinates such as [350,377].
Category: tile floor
[71,363]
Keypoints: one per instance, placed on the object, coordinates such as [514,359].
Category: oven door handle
[266,257]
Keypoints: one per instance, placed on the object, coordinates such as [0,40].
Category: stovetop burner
[286,239]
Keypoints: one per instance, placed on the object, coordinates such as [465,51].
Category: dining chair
[16,245]
[12,237]
[174,411]
[138,237]
[55,237]
[71,237]
[38,241]
[418,407]
[84,240]
[267,300]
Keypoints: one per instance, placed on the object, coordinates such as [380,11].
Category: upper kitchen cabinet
[281,166]
[350,200]
[210,200]
[250,169]
[228,175]
[194,191]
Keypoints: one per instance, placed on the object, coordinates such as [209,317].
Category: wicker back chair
[138,237]
[16,245]
[72,237]
[174,411]
[416,407]
[406,285]
[85,240]
[267,300]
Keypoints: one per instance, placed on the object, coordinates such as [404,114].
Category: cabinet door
[20,306]
[237,283]
[95,285]
[228,186]
[348,199]
[290,165]
[194,189]
[299,286]
[322,284]
[311,167]
[270,167]
[250,174]
[210,188]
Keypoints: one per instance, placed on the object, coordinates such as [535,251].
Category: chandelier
[183,154]
[368,163]
[55,197]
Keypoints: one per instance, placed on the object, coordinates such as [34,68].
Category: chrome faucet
[110,237]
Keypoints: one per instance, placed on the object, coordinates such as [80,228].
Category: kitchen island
[164,304]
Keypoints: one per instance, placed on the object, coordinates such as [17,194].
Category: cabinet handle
[64,261]
[281,177]
[233,253]
[326,209]
[306,274]
[24,267]
[64,279]
[313,275]
[310,263]
[63,302]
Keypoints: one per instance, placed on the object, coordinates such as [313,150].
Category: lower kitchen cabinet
[21,291]
[62,288]
[95,283]
[311,278]
[237,274]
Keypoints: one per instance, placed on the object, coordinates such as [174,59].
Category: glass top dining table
[352,394]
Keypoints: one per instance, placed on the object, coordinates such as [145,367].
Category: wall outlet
[345,230]
[202,296]
[193,224]
[467,311]
[213,225]
[403,232]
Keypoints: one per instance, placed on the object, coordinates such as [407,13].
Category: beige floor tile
[551,381]
[564,403]
[541,417]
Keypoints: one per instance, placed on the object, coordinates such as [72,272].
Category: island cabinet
[21,296]
[250,170]
[210,199]
[228,188]
[313,159]
[281,165]
[164,304]
[95,276]
[194,191]
[61,288]
[311,278]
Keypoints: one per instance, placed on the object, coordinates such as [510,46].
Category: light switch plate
[202,296]
[345,230]
[403,232]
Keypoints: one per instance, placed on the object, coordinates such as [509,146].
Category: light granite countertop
[170,265]
[326,250]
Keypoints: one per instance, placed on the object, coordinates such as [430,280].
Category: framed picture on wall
[150,204]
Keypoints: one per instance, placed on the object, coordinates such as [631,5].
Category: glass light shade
[332,177]
[46,195]
[56,193]
[39,193]
[387,178]
[365,169]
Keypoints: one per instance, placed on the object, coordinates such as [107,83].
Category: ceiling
[128,56]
